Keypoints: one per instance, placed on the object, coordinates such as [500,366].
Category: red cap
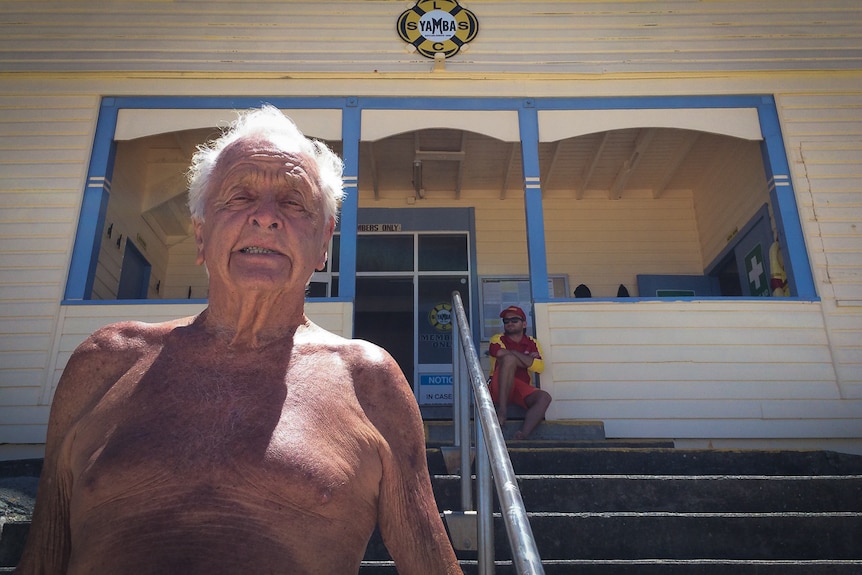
[513,309]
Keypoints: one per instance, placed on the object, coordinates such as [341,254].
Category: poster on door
[435,335]
[436,316]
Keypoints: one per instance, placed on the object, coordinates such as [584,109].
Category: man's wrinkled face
[264,226]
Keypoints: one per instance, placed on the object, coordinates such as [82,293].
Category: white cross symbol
[754,274]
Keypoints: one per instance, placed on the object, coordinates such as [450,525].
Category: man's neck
[516,336]
[253,321]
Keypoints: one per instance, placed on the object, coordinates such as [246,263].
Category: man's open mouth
[257,250]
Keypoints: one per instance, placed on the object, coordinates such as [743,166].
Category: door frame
[418,220]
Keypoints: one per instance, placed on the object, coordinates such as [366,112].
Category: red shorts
[520,391]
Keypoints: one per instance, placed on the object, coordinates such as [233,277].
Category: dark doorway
[384,315]
[135,275]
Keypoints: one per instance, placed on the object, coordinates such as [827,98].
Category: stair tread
[655,567]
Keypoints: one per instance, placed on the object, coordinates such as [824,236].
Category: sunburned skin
[246,439]
[278,460]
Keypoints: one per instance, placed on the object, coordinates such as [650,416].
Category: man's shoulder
[100,361]
[356,352]
[367,354]
[130,335]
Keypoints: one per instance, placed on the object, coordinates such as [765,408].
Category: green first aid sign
[755,269]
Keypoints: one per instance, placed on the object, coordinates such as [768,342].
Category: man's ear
[327,235]
[199,240]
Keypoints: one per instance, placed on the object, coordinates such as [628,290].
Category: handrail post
[456,383]
[461,415]
[484,505]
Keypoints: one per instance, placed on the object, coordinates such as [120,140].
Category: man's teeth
[256,250]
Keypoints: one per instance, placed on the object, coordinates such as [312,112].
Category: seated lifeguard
[514,357]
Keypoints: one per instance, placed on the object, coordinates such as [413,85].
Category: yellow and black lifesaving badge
[437,27]
[440,317]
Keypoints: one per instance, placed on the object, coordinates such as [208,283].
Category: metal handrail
[492,458]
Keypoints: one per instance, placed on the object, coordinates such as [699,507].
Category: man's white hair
[269,122]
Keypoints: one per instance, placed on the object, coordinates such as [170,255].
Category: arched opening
[651,210]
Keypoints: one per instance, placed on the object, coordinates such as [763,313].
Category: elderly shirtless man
[246,439]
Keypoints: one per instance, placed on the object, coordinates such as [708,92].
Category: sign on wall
[437,27]
[498,293]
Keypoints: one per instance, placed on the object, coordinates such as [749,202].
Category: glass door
[435,322]
[404,285]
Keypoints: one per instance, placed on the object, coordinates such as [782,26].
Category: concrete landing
[442,432]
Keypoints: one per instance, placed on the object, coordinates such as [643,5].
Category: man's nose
[266,215]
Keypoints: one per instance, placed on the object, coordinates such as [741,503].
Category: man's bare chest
[296,432]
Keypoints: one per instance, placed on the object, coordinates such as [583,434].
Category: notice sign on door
[435,389]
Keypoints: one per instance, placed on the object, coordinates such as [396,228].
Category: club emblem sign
[441,317]
[437,27]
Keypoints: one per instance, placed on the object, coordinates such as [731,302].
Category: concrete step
[675,493]
[13,535]
[640,457]
[655,567]
[661,461]
[436,453]
[647,510]
[442,432]
[767,536]
[614,536]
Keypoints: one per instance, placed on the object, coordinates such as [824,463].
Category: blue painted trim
[444,103]
[647,102]
[784,207]
[225,103]
[440,103]
[595,103]
[351,129]
[528,120]
[628,300]
[94,206]
[75,302]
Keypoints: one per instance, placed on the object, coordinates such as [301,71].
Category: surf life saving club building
[691,167]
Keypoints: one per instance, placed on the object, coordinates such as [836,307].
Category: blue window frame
[94,204]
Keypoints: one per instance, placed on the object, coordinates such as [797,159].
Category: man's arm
[538,364]
[94,366]
[531,360]
[408,517]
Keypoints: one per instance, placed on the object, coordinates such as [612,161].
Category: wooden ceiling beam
[642,143]
[549,169]
[375,180]
[460,174]
[513,150]
[590,167]
[689,139]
